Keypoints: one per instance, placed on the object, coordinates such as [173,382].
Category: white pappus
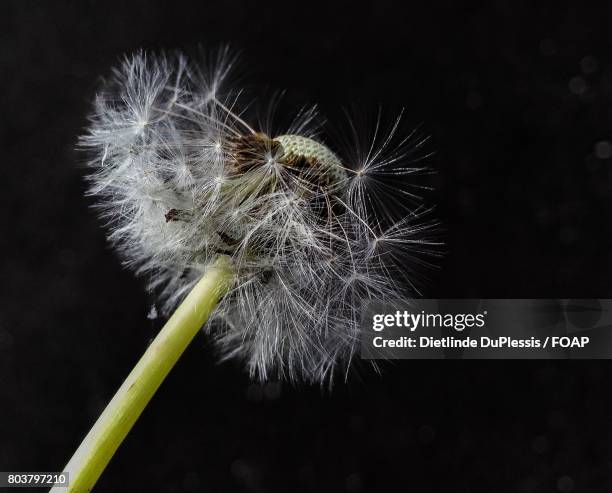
[182,178]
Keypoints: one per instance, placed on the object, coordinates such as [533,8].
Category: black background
[518,101]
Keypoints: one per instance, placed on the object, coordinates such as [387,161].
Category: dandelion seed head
[182,176]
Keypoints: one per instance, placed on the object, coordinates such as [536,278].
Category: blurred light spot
[540,444]
[244,473]
[426,434]
[547,47]
[353,483]
[577,85]
[239,468]
[603,149]
[584,314]
[589,64]
[565,484]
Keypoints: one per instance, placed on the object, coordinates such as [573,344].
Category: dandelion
[280,238]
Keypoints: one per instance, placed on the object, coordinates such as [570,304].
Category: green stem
[98,447]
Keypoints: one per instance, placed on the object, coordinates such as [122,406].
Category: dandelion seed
[182,177]
[152,315]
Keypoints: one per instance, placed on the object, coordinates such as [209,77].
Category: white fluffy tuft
[181,178]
